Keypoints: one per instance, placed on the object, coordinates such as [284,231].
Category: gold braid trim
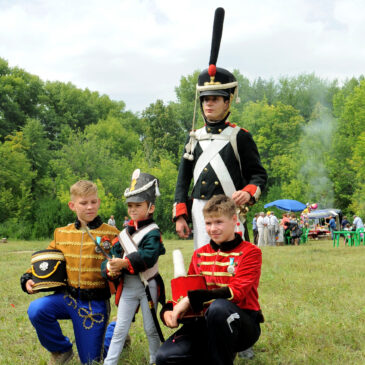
[69,243]
[68,230]
[98,257]
[208,263]
[87,283]
[84,313]
[47,275]
[209,273]
[87,269]
[103,233]
[48,284]
[76,243]
[216,284]
[224,254]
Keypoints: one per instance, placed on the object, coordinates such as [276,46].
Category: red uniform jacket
[213,261]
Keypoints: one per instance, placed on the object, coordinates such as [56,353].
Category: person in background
[332,225]
[286,231]
[126,221]
[273,228]
[357,223]
[254,229]
[266,229]
[344,222]
[111,221]
[260,229]
[347,236]
[295,231]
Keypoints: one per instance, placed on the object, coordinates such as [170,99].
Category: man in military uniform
[221,158]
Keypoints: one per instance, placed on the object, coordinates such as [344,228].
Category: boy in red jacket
[232,269]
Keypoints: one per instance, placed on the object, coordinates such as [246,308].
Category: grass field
[312,297]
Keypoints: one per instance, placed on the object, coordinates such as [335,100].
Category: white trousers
[201,237]
[272,239]
[261,239]
[132,295]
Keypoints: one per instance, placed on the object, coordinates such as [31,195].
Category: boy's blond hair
[219,205]
[83,188]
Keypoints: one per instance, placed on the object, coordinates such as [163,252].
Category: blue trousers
[89,320]
[214,340]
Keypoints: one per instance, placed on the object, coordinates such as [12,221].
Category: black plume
[217,35]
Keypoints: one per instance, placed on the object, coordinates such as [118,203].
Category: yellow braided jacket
[82,261]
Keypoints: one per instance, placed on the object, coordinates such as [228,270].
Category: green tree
[20,94]
[36,146]
[305,91]
[65,104]
[186,98]
[350,108]
[276,130]
[163,134]
[358,198]
[16,177]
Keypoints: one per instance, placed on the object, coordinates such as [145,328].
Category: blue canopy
[287,204]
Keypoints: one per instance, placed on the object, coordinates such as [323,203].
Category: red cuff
[253,190]
[179,209]
[130,267]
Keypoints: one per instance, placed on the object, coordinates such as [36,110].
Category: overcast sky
[137,50]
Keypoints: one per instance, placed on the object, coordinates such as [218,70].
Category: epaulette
[115,240]
[235,125]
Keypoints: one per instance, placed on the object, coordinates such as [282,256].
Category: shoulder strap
[130,243]
[233,141]
[137,236]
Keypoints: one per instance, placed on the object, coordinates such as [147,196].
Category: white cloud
[137,50]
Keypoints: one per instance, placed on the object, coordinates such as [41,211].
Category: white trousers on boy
[133,294]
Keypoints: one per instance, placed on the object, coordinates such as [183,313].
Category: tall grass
[312,297]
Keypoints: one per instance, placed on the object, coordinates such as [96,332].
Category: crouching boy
[232,269]
[85,299]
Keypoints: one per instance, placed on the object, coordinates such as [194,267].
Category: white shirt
[273,221]
[358,223]
[260,222]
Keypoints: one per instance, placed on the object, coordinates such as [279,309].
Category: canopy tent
[324,213]
[287,205]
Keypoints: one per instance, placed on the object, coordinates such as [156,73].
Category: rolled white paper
[179,267]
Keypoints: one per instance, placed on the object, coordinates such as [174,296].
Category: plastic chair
[360,236]
[287,237]
[350,238]
[304,236]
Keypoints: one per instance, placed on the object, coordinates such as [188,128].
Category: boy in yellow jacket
[85,298]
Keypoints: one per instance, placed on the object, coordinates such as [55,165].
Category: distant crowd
[268,230]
